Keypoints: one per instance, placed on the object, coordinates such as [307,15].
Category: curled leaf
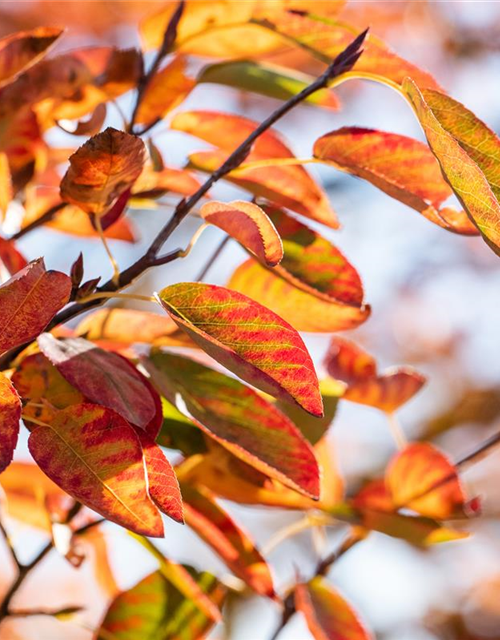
[248,339]
[249,224]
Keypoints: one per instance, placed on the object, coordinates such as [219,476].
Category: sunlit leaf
[227,539]
[6,189]
[102,169]
[10,415]
[289,186]
[94,455]
[105,378]
[466,150]
[12,259]
[91,125]
[29,301]
[153,184]
[387,391]
[249,224]
[239,419]
[402,167]
[248,339]
[328,615]
[267,80]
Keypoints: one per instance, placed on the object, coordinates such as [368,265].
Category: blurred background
[436,305]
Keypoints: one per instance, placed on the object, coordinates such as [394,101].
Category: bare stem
[396,431]
[213,258]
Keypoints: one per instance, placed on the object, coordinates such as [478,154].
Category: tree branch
[43,219]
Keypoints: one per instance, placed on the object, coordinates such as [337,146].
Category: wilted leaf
[249,224]
[227,539]
[29,301]
[402,167]
[386,391]
[248,339]
[239,419]
[167,89]
[19,51]
[10,415]
[328,615]
[267,80]
[466,150]
[422,478]
[314,287]
[102,169]
[154,608]
[94,455]
[288,186]
[105,378]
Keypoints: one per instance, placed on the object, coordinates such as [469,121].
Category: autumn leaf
[10,415]
[328,615]
[238,418]
[153,184]
[465,148]
[167,89]
[315,287]
[91,125]
[155,608]
[247,339]
[102,169]
[21,50]
[6,188]
[288,186]
[12,259]
[29,301]
[387,391]
[266,79]
[422,478]
[94,455]
[105,378]
[402,167]
[249,224]
[227,539]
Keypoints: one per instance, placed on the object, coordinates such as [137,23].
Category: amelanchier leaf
[328,615]
[10,415]
[102,169]
[249,224]
[12,259]
[422,478]
[154,608]
[29,301]
[289,186]
[315,287]
[167,89]
[402,167]
[265,79]
[23,49]
[248,339]
[468,159]
[239,419]
[94,455]
[227,539]
[387,391]
[105,378]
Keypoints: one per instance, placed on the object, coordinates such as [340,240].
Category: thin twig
[43,219]
[213,258]
[10,546]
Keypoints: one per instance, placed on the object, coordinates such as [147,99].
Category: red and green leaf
[248,339]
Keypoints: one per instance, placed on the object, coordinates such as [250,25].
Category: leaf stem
[107,295]
[116,270]
[396,430]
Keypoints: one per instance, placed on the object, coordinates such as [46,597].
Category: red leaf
[10,415]
[105,378]
[11,258]
[94,455]
[248,339]
[29,301]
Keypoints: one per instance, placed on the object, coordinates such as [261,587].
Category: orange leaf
[289,186]
[227,539]
[94,455]
[239,419]
[11,258]
[10,415]
[105,378]
[6,190]
[248,339]
[402,167]
[167,89]
[412,475]
[328,615]
[23,49]
[102,170]
[387,391]
[249,224]
[314,287]
[154,184]
[29,301]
